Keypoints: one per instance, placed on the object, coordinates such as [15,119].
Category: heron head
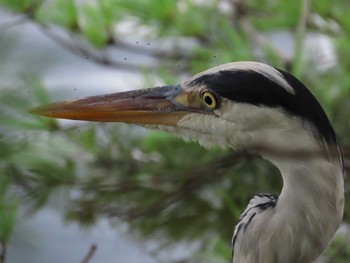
[240,105]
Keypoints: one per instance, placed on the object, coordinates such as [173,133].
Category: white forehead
[261,68]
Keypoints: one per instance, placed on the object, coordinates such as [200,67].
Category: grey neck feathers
[311,202]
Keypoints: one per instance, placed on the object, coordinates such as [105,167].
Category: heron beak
[160,105]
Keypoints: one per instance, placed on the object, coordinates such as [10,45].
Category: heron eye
[209,99]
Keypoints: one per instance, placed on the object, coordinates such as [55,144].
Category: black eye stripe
[251,87]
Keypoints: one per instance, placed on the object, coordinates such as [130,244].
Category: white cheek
[210,131]
[251,117]
[266,127]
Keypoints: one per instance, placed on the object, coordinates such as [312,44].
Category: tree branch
[81,51]
[299,37]
[3,251]
[196,178]
[8,25]
[90,253]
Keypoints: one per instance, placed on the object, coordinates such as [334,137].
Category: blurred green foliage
[168,190]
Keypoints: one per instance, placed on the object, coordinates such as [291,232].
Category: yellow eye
[209,99]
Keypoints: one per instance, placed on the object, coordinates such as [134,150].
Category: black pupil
[208,100]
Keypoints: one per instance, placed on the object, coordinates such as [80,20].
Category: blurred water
[44,237]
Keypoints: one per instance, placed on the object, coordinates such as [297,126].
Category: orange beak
[149,106]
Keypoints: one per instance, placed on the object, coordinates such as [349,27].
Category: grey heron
[261,109]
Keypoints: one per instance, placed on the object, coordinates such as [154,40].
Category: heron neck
[312,195]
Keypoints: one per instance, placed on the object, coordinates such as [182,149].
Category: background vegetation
[167,190]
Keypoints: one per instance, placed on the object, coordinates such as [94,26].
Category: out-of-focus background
[91,192]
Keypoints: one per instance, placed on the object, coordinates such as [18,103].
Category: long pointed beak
[149,106]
